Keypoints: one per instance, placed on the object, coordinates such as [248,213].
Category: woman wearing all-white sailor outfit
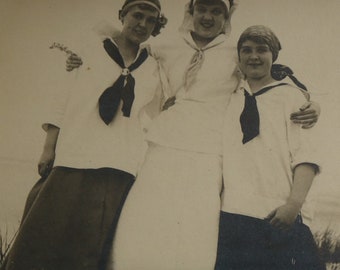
[170,219]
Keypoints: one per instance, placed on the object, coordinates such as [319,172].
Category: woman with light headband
[170,219]
[94,144]
[161,20]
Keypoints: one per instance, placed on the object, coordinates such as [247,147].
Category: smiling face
[209,20]
[255,60]
[138,24]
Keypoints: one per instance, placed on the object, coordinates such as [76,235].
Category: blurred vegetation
[4,245]
[328,243]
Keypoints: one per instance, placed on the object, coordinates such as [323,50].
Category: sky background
[30,72]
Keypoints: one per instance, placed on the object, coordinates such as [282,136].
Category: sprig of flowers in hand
[73,60]
[61,47]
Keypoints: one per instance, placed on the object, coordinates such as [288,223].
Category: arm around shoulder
[308,114]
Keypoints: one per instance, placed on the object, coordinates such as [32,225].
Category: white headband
[139,2]
[227,2]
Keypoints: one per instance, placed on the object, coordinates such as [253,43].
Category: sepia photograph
[169,135]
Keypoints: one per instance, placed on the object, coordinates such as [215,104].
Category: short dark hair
[161,19]
[262,35]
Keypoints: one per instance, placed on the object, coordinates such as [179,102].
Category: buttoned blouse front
[194,122]
[258,175]
[85,141]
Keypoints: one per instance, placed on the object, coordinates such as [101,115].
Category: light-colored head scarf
[262,34]
[188,25]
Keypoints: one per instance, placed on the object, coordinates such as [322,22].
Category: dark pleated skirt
[247,243]
[69,220]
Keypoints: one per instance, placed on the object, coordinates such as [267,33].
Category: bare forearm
[52,134]
[303,178]
[284,216]
[48,155]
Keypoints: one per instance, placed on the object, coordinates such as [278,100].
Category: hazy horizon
[30,72]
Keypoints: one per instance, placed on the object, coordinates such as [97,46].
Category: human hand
[308,114]
[284,216]
[169,102]
[73,61]
[46,162]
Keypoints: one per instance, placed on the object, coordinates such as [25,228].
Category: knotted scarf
[279,72]
[122,88]
[250,119]
[196,63]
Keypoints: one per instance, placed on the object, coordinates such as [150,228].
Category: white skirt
[171,216]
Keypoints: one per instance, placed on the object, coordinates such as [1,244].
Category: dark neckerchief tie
[250,119]
[279,72]
[122,88]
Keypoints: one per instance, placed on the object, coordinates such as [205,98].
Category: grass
[328,243]
[4,245]
[333,266]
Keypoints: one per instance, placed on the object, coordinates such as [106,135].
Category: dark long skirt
[69,220]
[247,243]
